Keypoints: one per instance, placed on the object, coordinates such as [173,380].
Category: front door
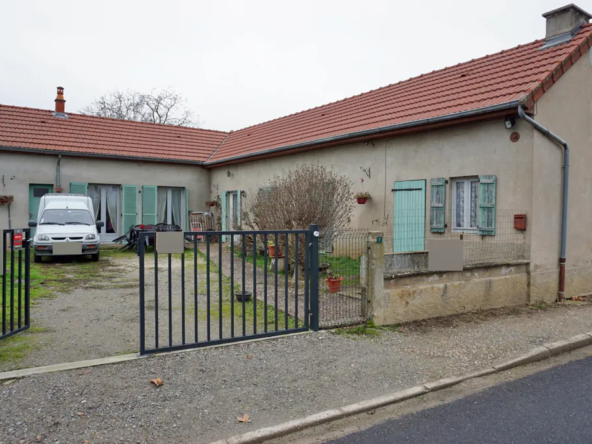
[106,206]
[232,211]
[36,192]
[410,216]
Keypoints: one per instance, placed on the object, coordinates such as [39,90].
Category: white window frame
[466,228]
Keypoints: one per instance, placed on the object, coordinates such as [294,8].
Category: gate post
[26,246]
[314,276]
[141,246]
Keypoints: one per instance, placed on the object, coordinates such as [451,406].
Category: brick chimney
[60,102]
[563,23]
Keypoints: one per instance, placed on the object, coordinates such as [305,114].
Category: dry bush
[307,194]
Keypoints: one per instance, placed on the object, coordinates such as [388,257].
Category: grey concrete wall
[20,170]
[566,109]
[431,295]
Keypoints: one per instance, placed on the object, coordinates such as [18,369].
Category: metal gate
[15,311]
[227,286]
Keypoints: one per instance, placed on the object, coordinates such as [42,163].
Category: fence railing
[408,235]
[219,292]
[15,309]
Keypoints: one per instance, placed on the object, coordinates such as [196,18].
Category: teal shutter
[149,205]
[239,208]
[78,188]
[438,205]
[487,192]
[409,217]
[223,216]
[129,216]
[187,210]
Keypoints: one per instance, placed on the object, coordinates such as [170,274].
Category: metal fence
[406,240]
[15,309]
[218,292]
[343,282]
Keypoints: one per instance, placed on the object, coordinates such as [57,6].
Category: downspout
[58,175]
[559,141]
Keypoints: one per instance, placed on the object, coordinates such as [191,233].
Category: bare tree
[302,196]
[160,106]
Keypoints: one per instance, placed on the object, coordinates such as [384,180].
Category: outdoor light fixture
[510,122]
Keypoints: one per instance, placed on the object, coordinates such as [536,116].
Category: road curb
[536,354]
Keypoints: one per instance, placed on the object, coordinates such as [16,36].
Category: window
[465,204]
[171,206]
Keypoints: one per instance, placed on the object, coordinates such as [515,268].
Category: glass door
[106,206]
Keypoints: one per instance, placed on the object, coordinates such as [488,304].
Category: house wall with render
[566,109]
[464,150]
[20,170]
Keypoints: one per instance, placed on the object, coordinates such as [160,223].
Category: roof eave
[99,156]
[447,120]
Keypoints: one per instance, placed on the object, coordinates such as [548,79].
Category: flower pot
[334,284]
[362,200]
[246,295]
[271,250]
[324,267]
[211,204]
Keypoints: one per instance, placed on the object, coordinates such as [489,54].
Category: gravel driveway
[273,381]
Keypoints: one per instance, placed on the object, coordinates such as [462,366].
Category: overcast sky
[239,63]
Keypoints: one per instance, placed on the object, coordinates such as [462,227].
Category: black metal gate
[227,286]
[15,311]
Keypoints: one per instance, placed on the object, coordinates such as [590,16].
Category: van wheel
[37,259]
[95,257]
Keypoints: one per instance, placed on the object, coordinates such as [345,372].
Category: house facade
[443,155]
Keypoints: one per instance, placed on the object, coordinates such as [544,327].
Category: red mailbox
[520,222]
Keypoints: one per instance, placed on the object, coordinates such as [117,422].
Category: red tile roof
[40,130]
[494,82]
[519,74]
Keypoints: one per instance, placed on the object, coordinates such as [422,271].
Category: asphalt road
[553,406]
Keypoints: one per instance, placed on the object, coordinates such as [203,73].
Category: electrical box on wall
[520,222]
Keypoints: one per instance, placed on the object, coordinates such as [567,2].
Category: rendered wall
[20,170]
[566,109]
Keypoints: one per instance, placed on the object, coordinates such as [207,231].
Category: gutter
[562,143]
[101,156]
[374,131]
[58,174]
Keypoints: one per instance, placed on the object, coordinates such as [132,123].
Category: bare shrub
[299,197]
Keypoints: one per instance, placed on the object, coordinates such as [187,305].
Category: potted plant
[333,282]
[6,200]
[271,248]
[362,197]
[211,203]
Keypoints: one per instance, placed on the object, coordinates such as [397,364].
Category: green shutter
[238,210]
[409,218]
[149,204]
[187,210]
[438,205]
[487,192]
[129,206]
[78,188]
[223,216]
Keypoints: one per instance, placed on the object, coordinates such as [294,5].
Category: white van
[65,226]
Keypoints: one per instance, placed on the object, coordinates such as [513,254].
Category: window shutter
[223,216]
[187,210]
[438,205]
[78,188]
[238,208]
[149,204]
[487,192]
[129,206]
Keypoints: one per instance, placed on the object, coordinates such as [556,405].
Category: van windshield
[66,217]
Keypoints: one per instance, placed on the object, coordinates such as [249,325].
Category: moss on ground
[368,329]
